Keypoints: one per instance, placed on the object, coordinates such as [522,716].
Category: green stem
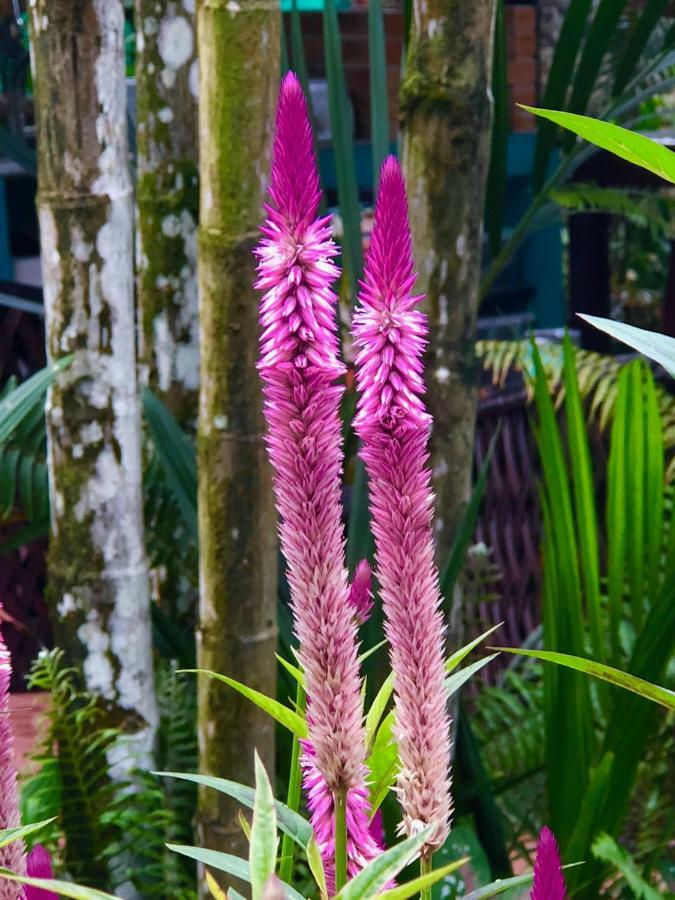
[340,839]
[425,869]
[292,797]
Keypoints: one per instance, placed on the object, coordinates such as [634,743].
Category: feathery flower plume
[39,865]
[299,366]
[361,592]
[549,883]
[12,856]
[364,842]
[394,426]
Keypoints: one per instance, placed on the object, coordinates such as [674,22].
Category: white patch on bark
[165,114]
[189,7]
[442,375]
[193,79]
[67,605]
[110,501]
[232,7]
[176,42]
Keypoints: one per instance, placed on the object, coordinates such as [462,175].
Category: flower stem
[425,869]
[340,839]
[292,797]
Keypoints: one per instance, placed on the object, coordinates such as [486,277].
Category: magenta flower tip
[294,187]
[361,592]
[389,330]
[39,865]
[549,883]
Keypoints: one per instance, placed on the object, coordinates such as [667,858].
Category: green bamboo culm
[340,840]
[292,797]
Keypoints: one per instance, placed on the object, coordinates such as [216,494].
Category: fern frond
[597,374]
[647,209]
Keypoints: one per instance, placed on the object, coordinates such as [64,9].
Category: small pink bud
[549,883]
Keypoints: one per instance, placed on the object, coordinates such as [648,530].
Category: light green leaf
[377,709]
[417,885]
[658,347]
[8,835]
[606,849]
[384,867]
[454,682]
[63,888]
[291,823]
[225,862]
[315,863]
[283,715]
[501,885]
[629,145]
[646,689]
[19,403]
[263,847]
[458,656]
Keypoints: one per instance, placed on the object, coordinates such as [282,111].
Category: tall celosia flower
[299,366]
[39,865]
[12,856]
[394,426]
[549,883]
[364,842]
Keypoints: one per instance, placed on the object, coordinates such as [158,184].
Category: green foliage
[629,603]
[107,833]
[608,851]
[597,65]
[646,209]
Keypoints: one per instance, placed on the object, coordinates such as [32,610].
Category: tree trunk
[98,579]
[167,198]
[446,109]
[239,54]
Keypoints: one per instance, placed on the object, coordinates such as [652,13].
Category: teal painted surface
[312,5]
[6,264]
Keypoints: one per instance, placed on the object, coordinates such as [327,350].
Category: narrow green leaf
[639,686]
[18,404]
[454,682]
[501,126]
[262,858]
[384,867]
[343,147]
[617,480]
[226,862]
[651,344]
[379,101]
[176,453]
[8,835]
[290,822]
[315,863]
[583,484]
[501,885]
[63,888]
[603,28]
[283,715]
[377,708]
[458,656]
[572,32]
[629,145]
[642,30]
[417,885]
[298,51]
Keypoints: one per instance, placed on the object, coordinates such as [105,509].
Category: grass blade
[379,101]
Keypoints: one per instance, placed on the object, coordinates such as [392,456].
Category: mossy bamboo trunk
[446,107]
[98,579]
[167,202]
[239,69]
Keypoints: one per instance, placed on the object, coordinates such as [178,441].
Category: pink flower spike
[394,426]
[549,883]
[363,844]
[361,592]
[299,366]
[39,865]
[12,856]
